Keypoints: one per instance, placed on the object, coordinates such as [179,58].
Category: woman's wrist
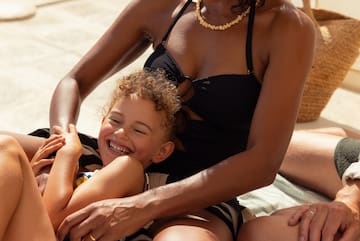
[150,201]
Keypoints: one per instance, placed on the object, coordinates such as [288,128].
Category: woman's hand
[326,220]
[105,220]
[40,158]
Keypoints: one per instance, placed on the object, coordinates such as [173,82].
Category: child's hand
[40,159]
[73,145]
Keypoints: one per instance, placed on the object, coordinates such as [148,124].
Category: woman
[240,67]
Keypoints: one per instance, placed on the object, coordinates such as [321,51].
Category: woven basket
[336,50]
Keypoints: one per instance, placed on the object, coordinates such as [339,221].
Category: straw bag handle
[308,11]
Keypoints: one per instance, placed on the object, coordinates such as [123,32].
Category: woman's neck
[218,11]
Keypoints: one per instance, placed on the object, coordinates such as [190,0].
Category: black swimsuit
[225,102]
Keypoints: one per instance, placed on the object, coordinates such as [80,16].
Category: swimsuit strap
[176,19]
[249,60]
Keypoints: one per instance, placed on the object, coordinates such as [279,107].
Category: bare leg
[269,228]
[30,144]
[22,207]
[309,160]
[337,131]
[201,226]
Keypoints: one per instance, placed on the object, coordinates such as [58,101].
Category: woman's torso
[222,69]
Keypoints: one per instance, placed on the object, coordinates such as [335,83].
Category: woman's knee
[197,227]
[184,232]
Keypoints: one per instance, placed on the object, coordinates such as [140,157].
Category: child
[136,130]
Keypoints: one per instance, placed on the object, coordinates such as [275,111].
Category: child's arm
[122,177]
[60,184]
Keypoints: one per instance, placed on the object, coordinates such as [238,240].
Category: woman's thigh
[269,228]
[201,225]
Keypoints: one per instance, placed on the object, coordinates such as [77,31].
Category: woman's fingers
[70,225]
[317,216]
[295,218]
[305,222]
[325,221]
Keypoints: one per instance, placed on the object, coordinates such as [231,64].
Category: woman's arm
[123,42]
[122,177]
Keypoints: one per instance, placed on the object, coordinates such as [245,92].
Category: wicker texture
[336,50]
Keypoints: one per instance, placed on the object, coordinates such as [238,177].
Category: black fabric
[249,60]
[346,152]
[225,102]
[224,213]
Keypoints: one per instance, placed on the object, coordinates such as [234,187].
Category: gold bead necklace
[218,27]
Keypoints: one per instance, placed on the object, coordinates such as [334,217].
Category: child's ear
[164,152]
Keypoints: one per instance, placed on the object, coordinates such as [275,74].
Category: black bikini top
[226,101]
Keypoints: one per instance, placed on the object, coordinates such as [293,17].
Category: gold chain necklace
[218,27]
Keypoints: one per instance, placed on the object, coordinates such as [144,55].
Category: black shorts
[346,152]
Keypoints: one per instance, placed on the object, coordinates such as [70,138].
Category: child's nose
[122,132]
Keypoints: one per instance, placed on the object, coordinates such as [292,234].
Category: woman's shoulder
[155,15]
[286,16]
[282,21]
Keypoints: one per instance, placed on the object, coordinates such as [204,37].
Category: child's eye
[114,121]
[140,131]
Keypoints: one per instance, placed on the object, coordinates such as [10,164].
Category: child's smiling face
[132,127]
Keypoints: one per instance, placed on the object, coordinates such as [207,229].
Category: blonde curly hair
[153,86]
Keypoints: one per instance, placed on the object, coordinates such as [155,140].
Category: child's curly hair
[153,86]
